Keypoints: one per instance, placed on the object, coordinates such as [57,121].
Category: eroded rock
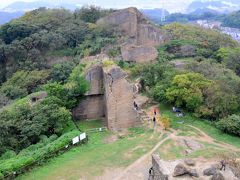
[180,170]
[210,171]
[189,162]
[141,35]
[193,172]
[218,176]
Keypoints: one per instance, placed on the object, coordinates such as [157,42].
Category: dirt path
[139,169]
[210,140]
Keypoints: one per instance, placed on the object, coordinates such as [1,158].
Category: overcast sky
[175,5]
[170,5]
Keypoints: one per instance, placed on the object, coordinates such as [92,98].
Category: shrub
[231,124]
[166,122]
[107,63]
[23,83]
[23,122]
[61,72]
[35,154]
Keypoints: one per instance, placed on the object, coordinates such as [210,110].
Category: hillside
[59,69]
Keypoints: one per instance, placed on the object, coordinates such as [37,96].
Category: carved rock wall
[141,35]
[119,100]
[110,96]
[92,107]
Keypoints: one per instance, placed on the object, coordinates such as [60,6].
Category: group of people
[178,111]
[154,116]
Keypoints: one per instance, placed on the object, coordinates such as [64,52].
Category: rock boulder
[180,170]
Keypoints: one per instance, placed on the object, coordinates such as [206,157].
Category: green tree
[230,124]
[61,72]
[187,90]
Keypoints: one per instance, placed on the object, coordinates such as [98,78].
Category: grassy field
[91,160]
[202,124]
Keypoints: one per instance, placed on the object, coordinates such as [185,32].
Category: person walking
[155,111]
[154,122]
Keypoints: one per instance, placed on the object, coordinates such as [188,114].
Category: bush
[35,153]
[231,124]
[1,176]
[107,63]
[23,122]
[166,122]
[23,83]
[61,72]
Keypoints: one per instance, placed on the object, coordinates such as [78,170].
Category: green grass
[90,160]
[84,125]
[170,150]
[202,124]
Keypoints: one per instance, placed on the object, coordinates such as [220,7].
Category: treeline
[26,42]
[232,20]
[185,18]
[229,20]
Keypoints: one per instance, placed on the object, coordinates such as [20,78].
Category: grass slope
[90,160]
[202,124]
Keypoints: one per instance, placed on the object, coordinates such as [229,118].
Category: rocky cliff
[110,98]
[119,100]
[141,37]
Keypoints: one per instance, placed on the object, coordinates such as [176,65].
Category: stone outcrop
[218,176]
[161,171]
[180,170]
[119,100]
[171,170]
[140,54]
[141,36]
[110,97]
[91,107]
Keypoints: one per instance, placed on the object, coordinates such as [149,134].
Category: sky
[170,5]
[175,5]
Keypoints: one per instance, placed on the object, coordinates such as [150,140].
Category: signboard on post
[82,136]
[75,140]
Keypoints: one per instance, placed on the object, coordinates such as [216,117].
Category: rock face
[218,176]
[141,35]
[161,172]
[180,170]
[210,171]
[140,54]
[110,97]
[94,76]
[119,100]
[189,162]
[91,107]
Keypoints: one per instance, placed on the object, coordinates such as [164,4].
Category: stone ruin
[140,36]
[110,98]
[189,169]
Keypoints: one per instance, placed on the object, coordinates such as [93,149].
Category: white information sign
[82,136]
[75,140]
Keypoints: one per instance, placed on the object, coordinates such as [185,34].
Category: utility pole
[163,15]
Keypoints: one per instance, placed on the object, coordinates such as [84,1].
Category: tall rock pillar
[119,98]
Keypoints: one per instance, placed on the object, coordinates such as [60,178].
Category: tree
[90,14]
[61,72]
[187,90]
[23,83]
[231,124]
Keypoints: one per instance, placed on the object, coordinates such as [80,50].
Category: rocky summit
[142,36]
